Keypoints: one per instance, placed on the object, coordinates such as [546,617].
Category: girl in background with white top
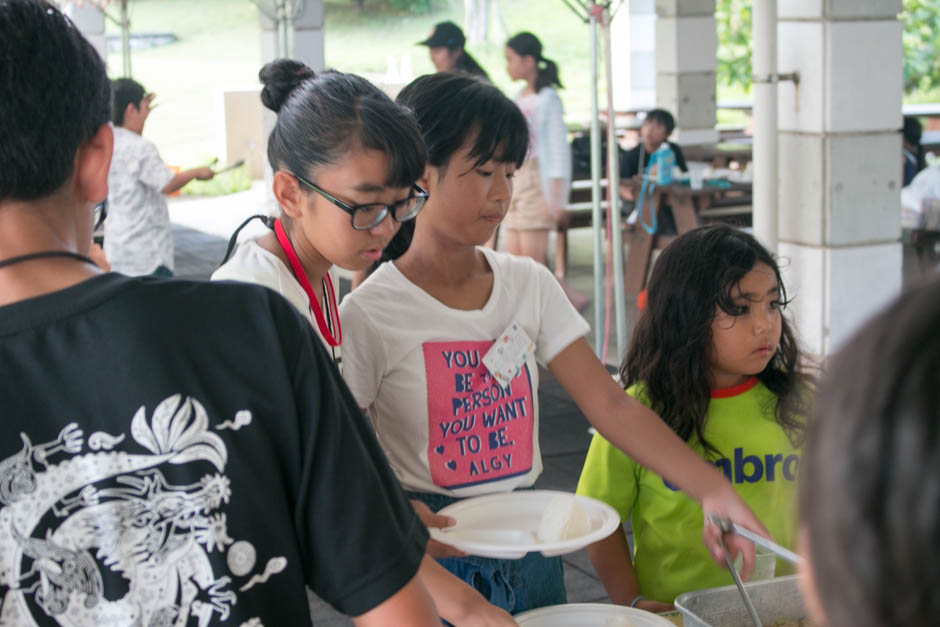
[419,328]
[345,160]
[543,181]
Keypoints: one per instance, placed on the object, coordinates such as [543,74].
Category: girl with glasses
[345,160]
[452,423]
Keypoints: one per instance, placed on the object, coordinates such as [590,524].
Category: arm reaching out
[412,605]
[181,178]
[611,560]
[458,603]
[640,433]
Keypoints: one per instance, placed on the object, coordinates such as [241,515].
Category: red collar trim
[735,390]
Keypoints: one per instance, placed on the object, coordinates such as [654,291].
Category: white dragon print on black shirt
[78,510]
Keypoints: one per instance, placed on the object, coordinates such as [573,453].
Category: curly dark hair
[694,277]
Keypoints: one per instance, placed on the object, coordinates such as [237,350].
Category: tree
[921,44]
[733,22]
[919,18]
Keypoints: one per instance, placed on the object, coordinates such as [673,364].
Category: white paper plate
[588,615]
[504,525]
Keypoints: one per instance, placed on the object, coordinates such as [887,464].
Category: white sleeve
[558,164]
[561,323]
[153,172]
[364,357]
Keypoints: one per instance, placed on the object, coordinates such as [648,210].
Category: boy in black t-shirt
[170,452]
[656,129]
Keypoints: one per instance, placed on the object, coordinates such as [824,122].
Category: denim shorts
[514,585]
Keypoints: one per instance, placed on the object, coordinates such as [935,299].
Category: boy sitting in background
[137,236]
[656,129]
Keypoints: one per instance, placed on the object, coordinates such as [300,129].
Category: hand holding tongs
[726,526]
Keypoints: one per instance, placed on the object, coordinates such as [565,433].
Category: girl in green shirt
[714,356]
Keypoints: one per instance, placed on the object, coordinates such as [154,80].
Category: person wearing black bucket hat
[445,44]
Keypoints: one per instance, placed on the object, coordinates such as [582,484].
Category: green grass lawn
[219,48]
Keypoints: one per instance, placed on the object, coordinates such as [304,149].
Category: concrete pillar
[633,38]
[686,50]
[840,164]
[90,21]
[307,35]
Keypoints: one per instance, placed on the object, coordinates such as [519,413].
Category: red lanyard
[327,283]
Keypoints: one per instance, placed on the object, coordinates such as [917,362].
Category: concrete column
[840,164]
[633,37]
[90,21]
[307,35]
[686,49]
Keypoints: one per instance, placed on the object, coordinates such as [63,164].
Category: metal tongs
[727,526]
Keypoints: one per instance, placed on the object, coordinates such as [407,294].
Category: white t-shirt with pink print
[445,424]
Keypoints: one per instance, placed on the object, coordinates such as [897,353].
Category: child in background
[542,182]
[137,236]
[715,357]
[870,486]
[418,329]
[655,130]
[446,49]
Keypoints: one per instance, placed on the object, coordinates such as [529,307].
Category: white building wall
[686,50]
[840,171]
[633,39]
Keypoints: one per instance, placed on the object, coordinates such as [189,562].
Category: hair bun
[280,78]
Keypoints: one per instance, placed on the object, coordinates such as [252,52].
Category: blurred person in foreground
[870,479]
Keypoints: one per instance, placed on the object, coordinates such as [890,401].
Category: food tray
[774,599]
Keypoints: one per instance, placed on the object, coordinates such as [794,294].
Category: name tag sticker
[508,354]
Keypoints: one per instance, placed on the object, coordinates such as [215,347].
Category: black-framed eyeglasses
[365,217]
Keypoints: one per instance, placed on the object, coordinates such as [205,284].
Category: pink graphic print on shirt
[478,431]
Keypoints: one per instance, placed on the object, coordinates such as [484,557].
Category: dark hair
[54,96]
[528,45]
[663,118]
[321,116]
[451,109]
[870,476]
[912,133]
[124,91]
[466,63]
[694,276]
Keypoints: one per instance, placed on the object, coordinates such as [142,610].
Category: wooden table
[721,154]
[686,204]
[680,197]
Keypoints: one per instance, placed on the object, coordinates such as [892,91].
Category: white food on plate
[618,621]
[563,519]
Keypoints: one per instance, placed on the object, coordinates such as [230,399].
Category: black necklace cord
[268,221]
[45,254]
